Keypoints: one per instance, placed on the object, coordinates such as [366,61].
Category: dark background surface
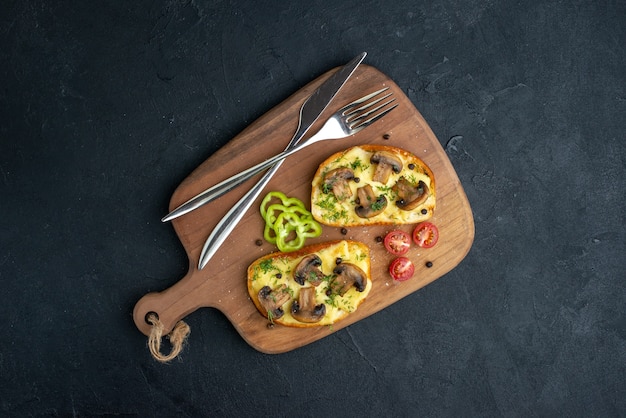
[106,107]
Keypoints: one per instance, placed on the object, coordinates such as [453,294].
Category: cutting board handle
[172,304]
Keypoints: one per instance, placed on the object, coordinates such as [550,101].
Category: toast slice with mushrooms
[317,285]
[372,185]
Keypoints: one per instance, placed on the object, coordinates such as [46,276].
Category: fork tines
[367,110]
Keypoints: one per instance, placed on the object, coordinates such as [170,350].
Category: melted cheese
[277,269]
[328,210]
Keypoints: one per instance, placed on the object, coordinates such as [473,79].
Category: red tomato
[425,235]
[401,269]
[397,242]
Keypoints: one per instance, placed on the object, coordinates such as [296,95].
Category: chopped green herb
[378,204]
[412,179]
[267,266]
[328,203]
[331,300]
[358,164]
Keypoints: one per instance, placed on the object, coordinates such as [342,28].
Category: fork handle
[230,183]
[325,132]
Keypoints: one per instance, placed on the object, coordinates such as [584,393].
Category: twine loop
[176,337]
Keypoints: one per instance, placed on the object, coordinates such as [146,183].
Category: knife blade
[309,112]
[312,108]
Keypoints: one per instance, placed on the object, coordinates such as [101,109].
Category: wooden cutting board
[222,283]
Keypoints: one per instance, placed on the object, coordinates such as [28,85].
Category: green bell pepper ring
[286,201]
[281,219]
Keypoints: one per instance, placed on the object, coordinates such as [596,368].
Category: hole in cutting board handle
[148,314]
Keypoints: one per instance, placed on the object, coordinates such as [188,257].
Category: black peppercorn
[429,264]
[338,260]
[411,166]
[344,231]
[424,211]
[386,136]
[279,275]
[356,180]
[379,239]
[258,242]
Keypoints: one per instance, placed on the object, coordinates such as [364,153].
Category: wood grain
[222,283]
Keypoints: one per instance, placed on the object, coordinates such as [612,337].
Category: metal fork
[347,121]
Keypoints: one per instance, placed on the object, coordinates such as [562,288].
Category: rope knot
[176,337]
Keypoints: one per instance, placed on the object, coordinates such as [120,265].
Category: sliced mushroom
[348,275]
[410,196]
[386,163]
[304,309]
[308,270]
[273,300]
[337,181]
[368,204]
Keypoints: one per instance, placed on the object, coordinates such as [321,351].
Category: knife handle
[226,225]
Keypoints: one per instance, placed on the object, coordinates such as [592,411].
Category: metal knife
[312,108]
[309,113]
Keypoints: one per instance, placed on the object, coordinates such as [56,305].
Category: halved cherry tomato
[397,242]
[401,269]
[425,235]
